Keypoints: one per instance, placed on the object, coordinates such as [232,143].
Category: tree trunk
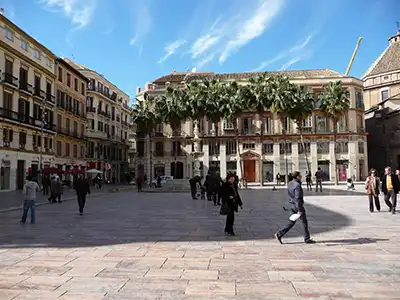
[238,147]
[151,159]
[304,147]
[285,152]
[261,116]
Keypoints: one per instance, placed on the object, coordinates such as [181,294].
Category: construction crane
[353,56]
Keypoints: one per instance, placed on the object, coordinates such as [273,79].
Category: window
[267,125]
[9,34]
[359,100]
[59,148]
[22,139]
[91,122]
[268,148]
[69,79]
[36,53]
[228,124]
[7,102]
[82,151]
[360,147]
[9,67]
[67,149]
[307,146]
[82,88]
[321,124]
[249,146]
[76,84]
[49,63]
[323,147]
[60,74]
[8,135]
[342,147]
[285,147]
[59,121]
[214,148]
[75,127]
[384,95]
[75,150]
[342,124]
[24,45]
[286,124]
[37,85]
[307,124]
[68,125]
[82,130]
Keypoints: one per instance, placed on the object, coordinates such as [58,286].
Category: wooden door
[249,167]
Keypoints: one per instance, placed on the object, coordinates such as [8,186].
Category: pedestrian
[82,188]
[29,193]
[318,179]
[308,180]
[372,185]
[230,201]
[46,184]
[278,179]
[297,210]
[139,183]
[390,188]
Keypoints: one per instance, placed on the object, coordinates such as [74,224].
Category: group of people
[31,188]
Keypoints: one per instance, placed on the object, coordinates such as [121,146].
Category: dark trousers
[393,197]
[230,220]
[373,199]
[81,201]
[139,187]
[318,183]
[45,190]
[309,186]
[54,197]
[289,226]
[193,191]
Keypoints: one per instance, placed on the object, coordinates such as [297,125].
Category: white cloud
[299,50]
[204,61]
[79,11]
[253,27]
[143,25]
[202,44]
[171,48]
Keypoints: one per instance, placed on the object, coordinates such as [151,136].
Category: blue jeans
[289,225]
[29,204]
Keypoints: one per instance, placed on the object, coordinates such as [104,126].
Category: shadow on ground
[129,217]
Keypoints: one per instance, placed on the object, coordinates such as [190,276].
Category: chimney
[174,71]
[2,11]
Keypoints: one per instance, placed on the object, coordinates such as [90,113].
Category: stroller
[350,184]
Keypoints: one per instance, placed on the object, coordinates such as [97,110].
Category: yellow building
[27,104]
[71,119]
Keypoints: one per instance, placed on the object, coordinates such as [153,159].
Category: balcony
[39,93]
[25,87]
[91,109]
[25,119]
[102,91]
[68,132]
[103,113]
[95,134]
[50,98]
[248,131]
[175,153]
[118,119]
[9,80]
[158,134]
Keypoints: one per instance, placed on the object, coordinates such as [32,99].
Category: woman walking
[372,185]
[230,201]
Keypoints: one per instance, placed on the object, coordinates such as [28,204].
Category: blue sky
[133,42]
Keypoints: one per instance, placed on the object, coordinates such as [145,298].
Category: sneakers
[310,241]
[278,238]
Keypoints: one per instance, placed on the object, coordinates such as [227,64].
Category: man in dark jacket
[390,188]
[296,202]
[82,188]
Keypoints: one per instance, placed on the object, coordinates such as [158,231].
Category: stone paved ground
[167,246]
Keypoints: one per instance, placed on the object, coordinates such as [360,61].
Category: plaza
[167,246]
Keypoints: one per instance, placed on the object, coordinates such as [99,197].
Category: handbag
[224,210]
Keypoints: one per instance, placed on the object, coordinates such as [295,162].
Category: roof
[388,61]
[60,60]
[177,77]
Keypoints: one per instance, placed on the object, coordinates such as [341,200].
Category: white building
[27,92]
[260,157]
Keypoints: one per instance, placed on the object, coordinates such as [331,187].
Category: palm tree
[282,93]
[300,109]
[146,120]
[197,94]
[236,100]
[335,103]
[173,109]
[214,95]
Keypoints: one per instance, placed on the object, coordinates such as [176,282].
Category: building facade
[108,113]
[382,100]
[71,122]
[27,102]
[260,157]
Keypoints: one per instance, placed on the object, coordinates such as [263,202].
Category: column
[353,161]
[206,159]
[313,157]
[222,158]
[259,163]
[332,160]
[295,157]
[277,159]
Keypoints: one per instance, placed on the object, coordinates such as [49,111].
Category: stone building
[107,112]
[382,103]
[27,104]
[260,159]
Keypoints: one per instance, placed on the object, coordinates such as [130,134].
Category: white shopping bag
[294,217]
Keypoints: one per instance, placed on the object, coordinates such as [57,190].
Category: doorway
[249,167]
[20,174]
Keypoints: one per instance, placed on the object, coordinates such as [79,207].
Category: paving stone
[291,276]
[6,294]
[43,283]
[82,296]
[164,273]
[200,275]
[35,295]
[92,285]
[155,286]
[263,288]
[211,288]
[7,281]
[47,271]
[123,273]
[12,270]
[186,263]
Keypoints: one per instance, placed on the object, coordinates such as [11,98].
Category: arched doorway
[178,169]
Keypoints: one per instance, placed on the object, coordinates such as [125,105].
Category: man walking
[82,188]
[296,209]
[390,188]
[318,176]
[29,192]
